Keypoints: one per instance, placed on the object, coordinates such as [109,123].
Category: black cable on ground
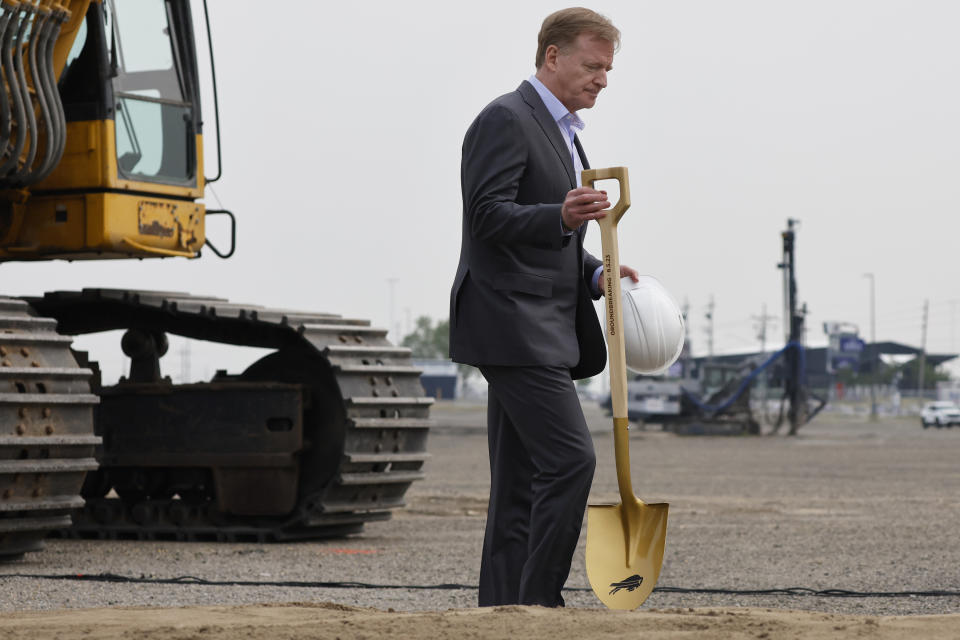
[190,580]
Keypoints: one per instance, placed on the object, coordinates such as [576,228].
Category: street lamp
[873,341]
[392,329]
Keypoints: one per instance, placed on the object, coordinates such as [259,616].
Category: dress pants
[541,467]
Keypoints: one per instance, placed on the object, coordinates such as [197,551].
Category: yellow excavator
[101,157]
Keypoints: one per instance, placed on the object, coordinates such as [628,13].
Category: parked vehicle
[940,414]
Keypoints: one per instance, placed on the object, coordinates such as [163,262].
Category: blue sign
[851,344]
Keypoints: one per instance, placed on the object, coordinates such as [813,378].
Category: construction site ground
[848,529]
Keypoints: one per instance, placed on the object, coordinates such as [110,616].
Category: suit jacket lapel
[582,231]
[583,156]
[549,127]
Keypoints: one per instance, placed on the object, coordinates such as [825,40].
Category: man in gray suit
[521,310]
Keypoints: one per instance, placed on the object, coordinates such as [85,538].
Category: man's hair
[562,28]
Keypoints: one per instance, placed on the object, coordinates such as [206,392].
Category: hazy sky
[342,124]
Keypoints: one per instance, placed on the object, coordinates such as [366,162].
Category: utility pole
[873,345]
[923,349]
[685,354]
[709,329]
[793,381]
[184,353]
[762,321]
[953,325]
[393,328]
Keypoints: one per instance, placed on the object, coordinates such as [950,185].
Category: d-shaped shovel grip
[589,176]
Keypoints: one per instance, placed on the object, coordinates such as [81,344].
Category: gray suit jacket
[520,296]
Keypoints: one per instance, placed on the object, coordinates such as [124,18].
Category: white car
[940,414]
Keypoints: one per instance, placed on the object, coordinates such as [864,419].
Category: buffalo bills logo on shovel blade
[631,583]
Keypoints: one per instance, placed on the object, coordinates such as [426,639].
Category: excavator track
[47,439]
[314,440]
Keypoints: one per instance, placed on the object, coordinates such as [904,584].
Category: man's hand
[581,205]
[626,271]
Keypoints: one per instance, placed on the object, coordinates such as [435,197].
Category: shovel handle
[614,321]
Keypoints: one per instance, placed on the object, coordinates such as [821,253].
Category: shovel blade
[625,551]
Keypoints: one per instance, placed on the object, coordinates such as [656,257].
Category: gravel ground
[859,506]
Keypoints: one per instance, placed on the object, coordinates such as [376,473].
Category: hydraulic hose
[41,49]
[27,138]
[38,37]
[4,98]
[9,72]
[57,138]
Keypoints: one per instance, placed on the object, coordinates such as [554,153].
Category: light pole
[873,341]
[392,329]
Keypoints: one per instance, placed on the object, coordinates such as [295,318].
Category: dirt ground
[324,620]
[762,532]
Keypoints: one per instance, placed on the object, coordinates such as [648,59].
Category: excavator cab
[123,132]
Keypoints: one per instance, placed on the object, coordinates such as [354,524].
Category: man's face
[580,72]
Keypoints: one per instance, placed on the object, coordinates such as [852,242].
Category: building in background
[823,365]
[439,378]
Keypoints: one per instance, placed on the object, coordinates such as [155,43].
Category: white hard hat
[653,329]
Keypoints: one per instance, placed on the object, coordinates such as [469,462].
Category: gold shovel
[624,541]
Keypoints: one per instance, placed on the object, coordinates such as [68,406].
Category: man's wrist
[595,288]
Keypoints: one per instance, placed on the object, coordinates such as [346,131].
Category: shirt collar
[557,111]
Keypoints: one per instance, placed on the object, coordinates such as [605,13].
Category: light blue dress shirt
[570,125]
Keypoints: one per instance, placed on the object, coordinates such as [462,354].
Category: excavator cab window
[79,44]
[154,94]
